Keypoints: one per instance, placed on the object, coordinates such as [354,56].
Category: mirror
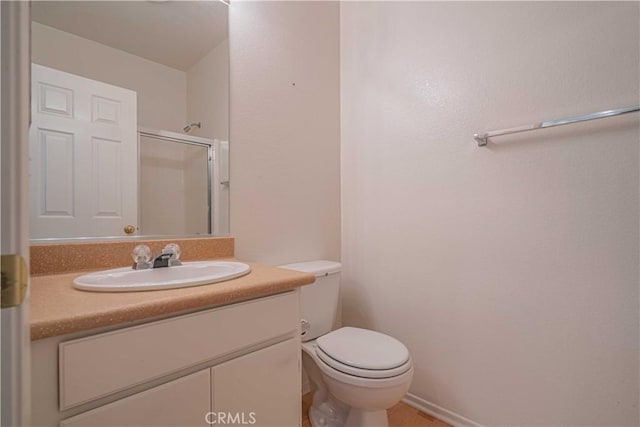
[129,133]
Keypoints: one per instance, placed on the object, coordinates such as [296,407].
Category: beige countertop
[57,308]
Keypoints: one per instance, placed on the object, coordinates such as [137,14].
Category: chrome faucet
[168,257]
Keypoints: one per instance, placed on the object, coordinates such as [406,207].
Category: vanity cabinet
[235,365]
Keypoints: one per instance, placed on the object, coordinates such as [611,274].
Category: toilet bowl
[353,395]
[355,374]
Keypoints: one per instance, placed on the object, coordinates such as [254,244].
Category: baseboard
[438,412]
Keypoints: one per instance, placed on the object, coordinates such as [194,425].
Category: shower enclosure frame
[181,138]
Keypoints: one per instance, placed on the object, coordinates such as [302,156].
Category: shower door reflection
[174,184]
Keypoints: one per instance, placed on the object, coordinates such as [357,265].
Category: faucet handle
[174,250]
[141,257]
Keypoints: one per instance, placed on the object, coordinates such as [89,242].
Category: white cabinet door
[261,388]
[83,156]
[182,402]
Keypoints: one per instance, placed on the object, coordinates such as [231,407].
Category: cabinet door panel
[182,402]
[263,387]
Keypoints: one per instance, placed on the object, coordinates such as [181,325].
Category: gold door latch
[14,280]
[129,229]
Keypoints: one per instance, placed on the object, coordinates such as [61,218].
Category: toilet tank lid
[319,268]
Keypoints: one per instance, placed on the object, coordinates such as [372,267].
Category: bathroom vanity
[226,353]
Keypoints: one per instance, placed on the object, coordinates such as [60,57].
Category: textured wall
[285,130]
[208,94]
[511,271]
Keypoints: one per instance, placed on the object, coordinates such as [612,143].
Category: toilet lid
[364,349]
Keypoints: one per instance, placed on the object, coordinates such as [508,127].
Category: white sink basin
[188,274]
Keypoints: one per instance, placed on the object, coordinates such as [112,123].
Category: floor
[401,415]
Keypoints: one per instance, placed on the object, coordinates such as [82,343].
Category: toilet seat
[310,347]
[363,353]
[360,372]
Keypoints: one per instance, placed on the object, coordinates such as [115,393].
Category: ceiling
[174,33]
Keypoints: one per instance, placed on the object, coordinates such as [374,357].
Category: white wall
[285,130]
[510,272]
[208,94]
[208,103]
[162,91]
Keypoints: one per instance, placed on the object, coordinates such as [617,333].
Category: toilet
[355,374]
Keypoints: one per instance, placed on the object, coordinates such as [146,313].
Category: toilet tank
[319,301]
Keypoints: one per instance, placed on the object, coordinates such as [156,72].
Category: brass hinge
[14,280]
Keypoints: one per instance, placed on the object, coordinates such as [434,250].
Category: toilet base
[332,413]
[328,413]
